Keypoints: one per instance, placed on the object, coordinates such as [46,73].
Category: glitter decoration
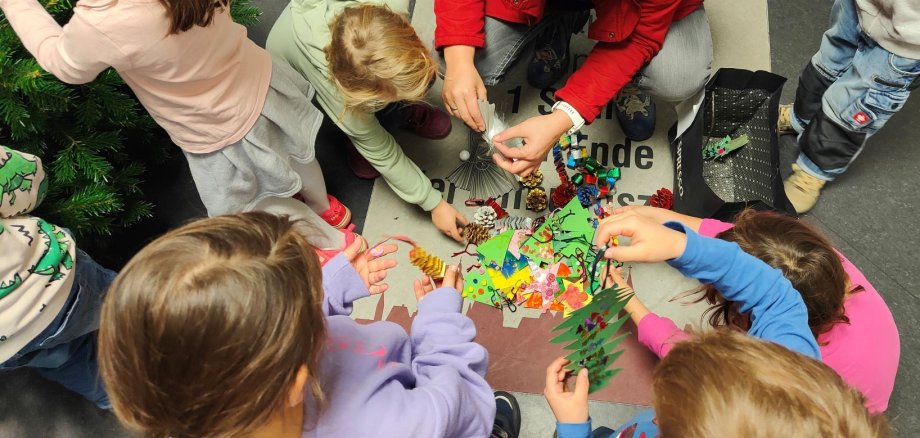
[429,264]
[534,180]
[663,198]
[485,217]
[515,223]
[536,199]
[563,194]
[499,211]
[475,233]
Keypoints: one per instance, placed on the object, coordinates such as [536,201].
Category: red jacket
[629,34]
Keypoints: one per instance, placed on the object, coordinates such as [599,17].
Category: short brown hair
[186,14]
[203,332]
[724,383]
[376,58]
[804,256]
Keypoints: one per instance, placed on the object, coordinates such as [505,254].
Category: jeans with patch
[677,72]
[848,91]
[65,352]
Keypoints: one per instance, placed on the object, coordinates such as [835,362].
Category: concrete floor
[870,213]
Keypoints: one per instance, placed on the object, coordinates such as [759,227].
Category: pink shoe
[428,122]
[328,254]
[338,215]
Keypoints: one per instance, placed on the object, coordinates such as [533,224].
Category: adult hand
[568,407]
[370,267]
[452,278]
[649,241]
[446,217]
[539,133]
[463,87]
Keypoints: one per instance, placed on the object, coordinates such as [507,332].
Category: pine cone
[536,199]
[587,195]
[429,264]
[533,180]
[475,233]
[663,198]
[563,194]
[485,216]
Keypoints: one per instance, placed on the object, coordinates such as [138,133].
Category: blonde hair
[728,384]
[376,58]
[204,331]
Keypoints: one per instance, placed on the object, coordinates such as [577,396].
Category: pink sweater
[205,86]
[864,352]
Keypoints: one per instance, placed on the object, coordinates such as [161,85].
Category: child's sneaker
[635,112]
[338,215]
[507,416]
[802,189]
[327,254]
[784,123]
[428,122]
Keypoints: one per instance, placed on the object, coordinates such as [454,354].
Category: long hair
[724,383]
[186,14]
[804,256]
[376,58]
[204,331]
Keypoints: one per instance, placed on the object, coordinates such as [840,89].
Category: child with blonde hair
[854,327]
[724,384]
[371,73]
[229,327]
[244,121]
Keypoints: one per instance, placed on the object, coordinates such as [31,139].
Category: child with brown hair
[371,73]
[724,384]
[244,122]
[853,325]
[229,327]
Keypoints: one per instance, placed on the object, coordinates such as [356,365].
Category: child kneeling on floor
[725,384]
[229,327]
[854,327]
[50,291]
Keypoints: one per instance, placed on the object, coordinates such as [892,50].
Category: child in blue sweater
[778,316]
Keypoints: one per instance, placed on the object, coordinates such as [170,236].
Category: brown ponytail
[186,14]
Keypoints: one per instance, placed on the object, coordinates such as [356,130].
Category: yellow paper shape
[572,297]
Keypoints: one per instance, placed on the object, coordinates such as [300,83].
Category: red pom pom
[563,194]
[663,198]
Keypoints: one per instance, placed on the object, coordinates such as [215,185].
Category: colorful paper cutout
[477,286]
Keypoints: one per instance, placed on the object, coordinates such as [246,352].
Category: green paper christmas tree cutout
[590,332]
[477,286]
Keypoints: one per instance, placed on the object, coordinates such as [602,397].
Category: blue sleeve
[778,313]
[642,425]
[574,430]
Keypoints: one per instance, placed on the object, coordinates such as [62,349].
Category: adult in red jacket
[663,47]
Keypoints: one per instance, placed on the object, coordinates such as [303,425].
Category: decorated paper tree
[591,333]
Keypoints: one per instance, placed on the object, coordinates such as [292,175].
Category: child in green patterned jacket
[50,292]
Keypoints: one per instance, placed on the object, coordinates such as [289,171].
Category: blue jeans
[65,352]
[676,73]
[848,91]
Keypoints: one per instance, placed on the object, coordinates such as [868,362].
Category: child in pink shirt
[245,123]
[853,325]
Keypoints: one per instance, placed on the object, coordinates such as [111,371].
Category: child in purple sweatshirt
[229,327]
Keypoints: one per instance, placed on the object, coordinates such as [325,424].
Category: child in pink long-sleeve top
[228,327]
[853,325]
[244,122]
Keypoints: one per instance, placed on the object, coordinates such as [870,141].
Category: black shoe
[635,112]
[507,416]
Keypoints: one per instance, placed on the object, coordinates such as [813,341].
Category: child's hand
[634,306]
[568,407]
[446,218]
[649,241]
[659,215]
[452,278]
[369,266]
